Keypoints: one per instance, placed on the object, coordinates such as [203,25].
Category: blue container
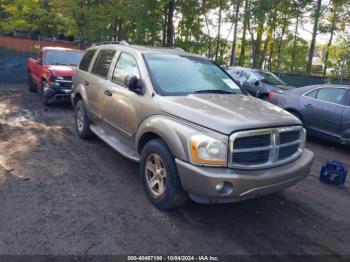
[333,172]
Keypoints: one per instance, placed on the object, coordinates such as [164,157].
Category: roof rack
[123,42]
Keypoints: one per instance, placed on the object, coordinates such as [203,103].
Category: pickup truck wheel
[82,121]
[160,178]
[31,86]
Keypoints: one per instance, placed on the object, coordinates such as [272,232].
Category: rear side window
[86,60]
[312,94]
[126,65]
[332,95]
[102,63]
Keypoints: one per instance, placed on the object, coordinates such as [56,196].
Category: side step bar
[115,143]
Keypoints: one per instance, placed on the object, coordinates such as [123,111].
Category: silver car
[324,109]
[258,83]
[194,132]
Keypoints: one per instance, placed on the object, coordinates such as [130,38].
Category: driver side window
[125,66]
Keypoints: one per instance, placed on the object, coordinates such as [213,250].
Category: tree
[237,5]
[314,34]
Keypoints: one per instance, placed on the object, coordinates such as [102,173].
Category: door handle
[309,105]
[108,93]
[86,83]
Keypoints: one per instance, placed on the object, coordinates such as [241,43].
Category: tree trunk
[271,51]
[279,58]
[257,44]
[295,41]
[266,44]
[334,17]
[234,41]
[170,24]
[208,28]
[165,23]
[244,33]
[314,34]
[219,31]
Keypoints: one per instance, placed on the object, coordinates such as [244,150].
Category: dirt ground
[61,195]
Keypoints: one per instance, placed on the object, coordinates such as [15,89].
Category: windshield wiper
[213,91]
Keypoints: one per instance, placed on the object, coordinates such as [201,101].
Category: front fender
[174,132]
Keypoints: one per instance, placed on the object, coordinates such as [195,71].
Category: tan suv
[192,129]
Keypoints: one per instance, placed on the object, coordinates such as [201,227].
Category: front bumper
[58,94]
[201,182]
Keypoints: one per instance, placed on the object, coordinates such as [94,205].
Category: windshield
[181,75]
[270,78]
[62,58]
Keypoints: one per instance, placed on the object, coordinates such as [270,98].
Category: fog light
[219,187]
[224,188]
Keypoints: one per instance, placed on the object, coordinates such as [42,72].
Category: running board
[115,143]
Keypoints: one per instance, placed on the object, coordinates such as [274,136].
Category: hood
[61,70]
[226,113]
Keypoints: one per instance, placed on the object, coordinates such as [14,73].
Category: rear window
[86,60]
[103,62]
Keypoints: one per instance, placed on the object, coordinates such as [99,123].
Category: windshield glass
[270,78]
[181,75]
[62,58]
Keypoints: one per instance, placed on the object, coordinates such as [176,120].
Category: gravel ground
[60,195]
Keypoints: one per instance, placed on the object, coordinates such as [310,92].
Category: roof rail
[123,42]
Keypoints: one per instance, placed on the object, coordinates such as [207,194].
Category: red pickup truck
[51,72]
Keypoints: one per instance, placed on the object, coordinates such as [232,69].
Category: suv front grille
[265,148]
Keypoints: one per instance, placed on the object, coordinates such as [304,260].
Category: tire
[31,86]
[82,121]
[170,195]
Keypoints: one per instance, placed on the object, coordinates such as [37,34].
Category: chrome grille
[254,149]
[65,82]
[255,141]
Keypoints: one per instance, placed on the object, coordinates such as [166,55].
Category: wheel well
[295,112]
[76,99]
[145,138]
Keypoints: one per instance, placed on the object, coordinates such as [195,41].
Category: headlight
[206,150]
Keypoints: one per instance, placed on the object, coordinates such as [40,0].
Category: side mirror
[134,84]
[257,83]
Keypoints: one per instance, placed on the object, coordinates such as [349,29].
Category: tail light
[271,95]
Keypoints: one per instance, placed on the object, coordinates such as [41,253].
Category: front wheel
[31,85]
[82,121]
[160,178]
